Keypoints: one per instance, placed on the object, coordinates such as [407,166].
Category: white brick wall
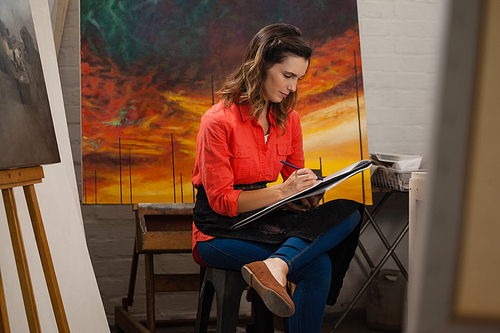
[399,49]
[399,45]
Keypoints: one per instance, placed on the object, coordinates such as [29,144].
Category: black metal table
[375,269]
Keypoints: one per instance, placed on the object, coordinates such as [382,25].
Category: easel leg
[46,259]
[4,319]
[21,260]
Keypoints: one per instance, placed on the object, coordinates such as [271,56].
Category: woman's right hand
[298,181]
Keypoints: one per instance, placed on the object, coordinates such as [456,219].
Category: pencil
[296,168]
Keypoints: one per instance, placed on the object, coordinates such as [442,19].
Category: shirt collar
[244,110]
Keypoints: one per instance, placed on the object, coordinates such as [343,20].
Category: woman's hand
[298,181]
[304,204]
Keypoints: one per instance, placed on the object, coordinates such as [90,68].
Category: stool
[228,286]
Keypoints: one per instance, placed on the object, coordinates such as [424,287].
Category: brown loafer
[274,295]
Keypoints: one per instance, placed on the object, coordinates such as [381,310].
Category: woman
[241,142]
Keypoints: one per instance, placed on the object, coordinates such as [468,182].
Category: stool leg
[228,286]
[286,325]
[205,300]
[264,319]
[228,299]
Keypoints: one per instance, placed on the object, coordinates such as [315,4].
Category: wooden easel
[27,177]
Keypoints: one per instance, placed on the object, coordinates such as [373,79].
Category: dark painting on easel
[27,135]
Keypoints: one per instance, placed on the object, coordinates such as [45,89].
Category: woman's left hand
[304,204]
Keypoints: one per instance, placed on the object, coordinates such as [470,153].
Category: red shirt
[231,150]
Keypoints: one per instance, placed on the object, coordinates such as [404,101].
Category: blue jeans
[309,267]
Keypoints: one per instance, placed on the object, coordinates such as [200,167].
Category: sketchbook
[320,187]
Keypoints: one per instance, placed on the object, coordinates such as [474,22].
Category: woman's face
[282,78]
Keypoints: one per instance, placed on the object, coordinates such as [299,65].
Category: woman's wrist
[284,191]
[250,200]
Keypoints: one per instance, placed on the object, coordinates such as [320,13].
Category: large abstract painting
[27,135]
[149,70]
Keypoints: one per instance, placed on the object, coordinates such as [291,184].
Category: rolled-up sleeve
[214,167]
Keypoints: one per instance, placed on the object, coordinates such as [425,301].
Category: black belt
[254,186]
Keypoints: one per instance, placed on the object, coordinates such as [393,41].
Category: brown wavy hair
[270,46]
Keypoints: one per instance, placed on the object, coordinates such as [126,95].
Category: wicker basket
[391,178]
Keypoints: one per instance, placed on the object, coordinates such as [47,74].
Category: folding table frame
[370,220]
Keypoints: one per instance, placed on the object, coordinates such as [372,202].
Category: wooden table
[160,228]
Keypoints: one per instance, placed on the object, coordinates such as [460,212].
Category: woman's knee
[319,269]
[322,266]
[355,218]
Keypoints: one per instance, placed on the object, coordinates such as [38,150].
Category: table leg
[150,292]
[372,276]
[365,225]
[126,302]
[366,255]
[387,245]
[371,221]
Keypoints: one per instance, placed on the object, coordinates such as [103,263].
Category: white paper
[408,165]
[320,187]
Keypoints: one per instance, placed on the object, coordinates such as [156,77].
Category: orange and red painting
[149,69]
